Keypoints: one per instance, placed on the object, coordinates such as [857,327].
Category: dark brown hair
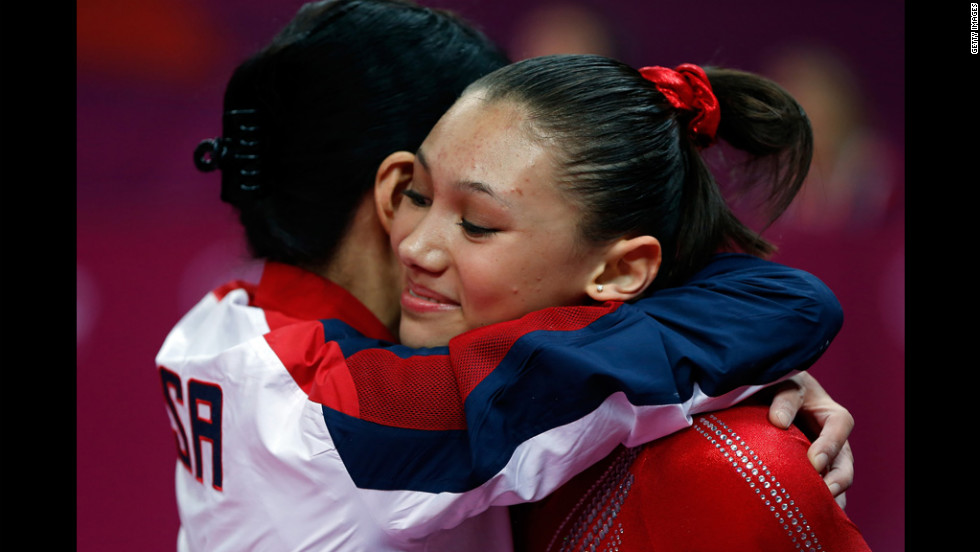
[311,116]
[626,156]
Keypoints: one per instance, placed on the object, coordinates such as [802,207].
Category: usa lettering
[196,408]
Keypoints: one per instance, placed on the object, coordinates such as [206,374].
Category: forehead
[487,142]
[488,145]
[496,114]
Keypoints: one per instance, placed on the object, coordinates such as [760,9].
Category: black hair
[625,154]
[309,118]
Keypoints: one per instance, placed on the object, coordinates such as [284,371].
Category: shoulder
[733,477]
[221,320]
[731,482]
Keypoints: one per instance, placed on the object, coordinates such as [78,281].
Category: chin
[413,336]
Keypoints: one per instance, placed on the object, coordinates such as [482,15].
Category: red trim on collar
[289,294]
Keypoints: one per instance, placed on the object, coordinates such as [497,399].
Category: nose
[424,247]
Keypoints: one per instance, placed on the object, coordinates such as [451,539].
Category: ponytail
[762,120]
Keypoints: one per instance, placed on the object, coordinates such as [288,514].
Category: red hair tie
[688,88]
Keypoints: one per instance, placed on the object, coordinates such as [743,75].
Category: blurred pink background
[153,237]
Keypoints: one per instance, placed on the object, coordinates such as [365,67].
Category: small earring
[598,288]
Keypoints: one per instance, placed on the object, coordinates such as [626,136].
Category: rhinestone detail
[774,497]
[592,522]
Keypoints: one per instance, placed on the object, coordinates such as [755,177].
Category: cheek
[556,276]
[506,287]
[491,287]
[483,278]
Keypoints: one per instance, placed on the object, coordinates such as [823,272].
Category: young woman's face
[483,233]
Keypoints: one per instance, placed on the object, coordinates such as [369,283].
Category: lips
[421,299]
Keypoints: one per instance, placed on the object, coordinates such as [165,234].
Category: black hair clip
[208,154]
[238,155]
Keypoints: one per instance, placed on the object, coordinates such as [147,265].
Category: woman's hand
[803,399]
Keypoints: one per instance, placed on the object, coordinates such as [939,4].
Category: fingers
[786,402]
[837,426]
[830,453]
[840,476]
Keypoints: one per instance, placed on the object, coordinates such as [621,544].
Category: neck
[365,266]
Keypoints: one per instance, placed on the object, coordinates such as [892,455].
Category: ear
[630,266]
[394,174]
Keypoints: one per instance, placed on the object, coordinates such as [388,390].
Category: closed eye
[475,231]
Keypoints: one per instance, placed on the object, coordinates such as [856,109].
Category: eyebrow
[466,185]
